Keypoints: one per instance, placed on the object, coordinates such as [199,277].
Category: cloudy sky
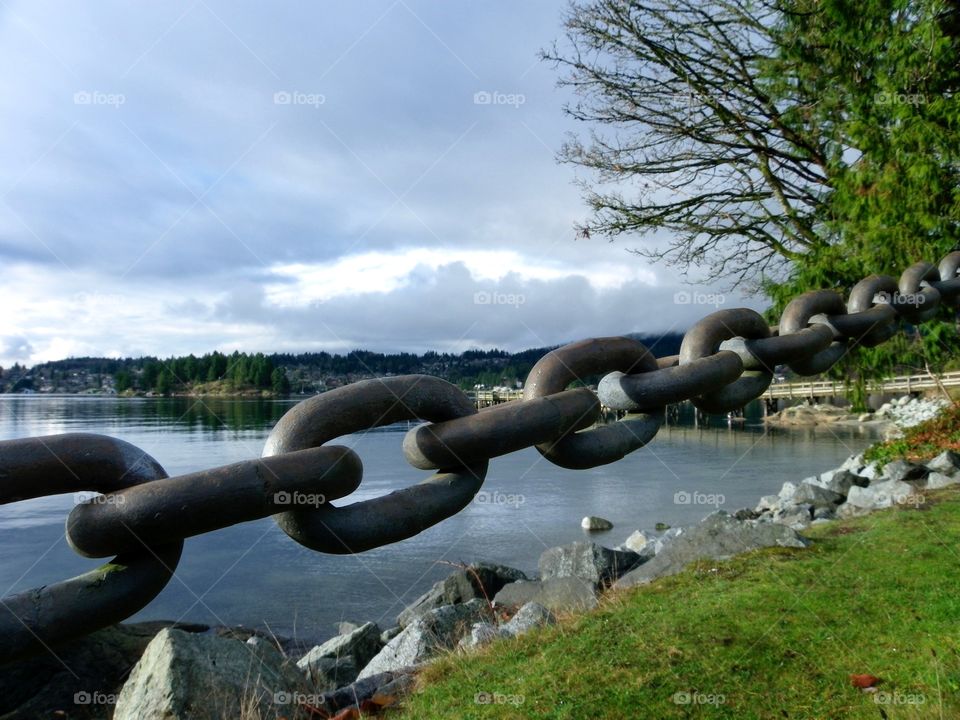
[187,176]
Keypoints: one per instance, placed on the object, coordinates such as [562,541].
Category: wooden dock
[835,388]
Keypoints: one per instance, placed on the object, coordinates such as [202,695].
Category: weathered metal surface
[672,384]
[578,361]
[32,621]
[400,514]
[704,339]
[819,307]
[500,429]
[189,505]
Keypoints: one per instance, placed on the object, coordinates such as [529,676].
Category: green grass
[771,634]
[923,441]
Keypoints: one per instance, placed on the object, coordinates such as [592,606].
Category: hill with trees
[217,373]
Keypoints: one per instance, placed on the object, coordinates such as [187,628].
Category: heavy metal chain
[141,516]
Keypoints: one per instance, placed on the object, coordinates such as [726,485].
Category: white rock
[768,502]
[637,541]
[787,491]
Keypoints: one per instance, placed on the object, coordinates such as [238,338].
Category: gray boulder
[346,627]
[816,496]
[205,677]
[848,510]
[840,481]
[880,495]
[482,633]
[568,594]
[437,630]
[39,686]
[530,616]
[937,480]
[946,463]
[389,634]
[794,516]
[481,581]
[717,537]
[661,542]
[824,513]
[327,673]
[871,471]
[588,561]
[360,645]
[903,470]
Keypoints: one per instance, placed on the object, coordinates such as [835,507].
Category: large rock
[903,470]
[559,595]
[847,511]
[946,463]
[937,480]
[717,537]
[362,644]
[816,496]
[205,677]
[794,516]
[881,495]
[588,561]
[327,673]
[639,543]
[530,616]
[481,581]
[840,481]
[482,633]
[81,674]
[661,542]
[436,630]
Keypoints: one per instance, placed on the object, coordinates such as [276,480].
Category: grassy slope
[776,633]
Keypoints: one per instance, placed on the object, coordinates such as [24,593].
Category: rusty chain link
[142,516]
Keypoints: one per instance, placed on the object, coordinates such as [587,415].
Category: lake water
[252,574]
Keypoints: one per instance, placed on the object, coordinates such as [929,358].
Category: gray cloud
[175,154]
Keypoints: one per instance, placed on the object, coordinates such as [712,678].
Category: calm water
[252,574]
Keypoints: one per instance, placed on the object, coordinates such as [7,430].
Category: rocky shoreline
[181,671]
[891,418]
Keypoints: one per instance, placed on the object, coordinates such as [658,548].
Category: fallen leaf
[864,681]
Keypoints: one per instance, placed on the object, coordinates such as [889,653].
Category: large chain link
[142,516]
